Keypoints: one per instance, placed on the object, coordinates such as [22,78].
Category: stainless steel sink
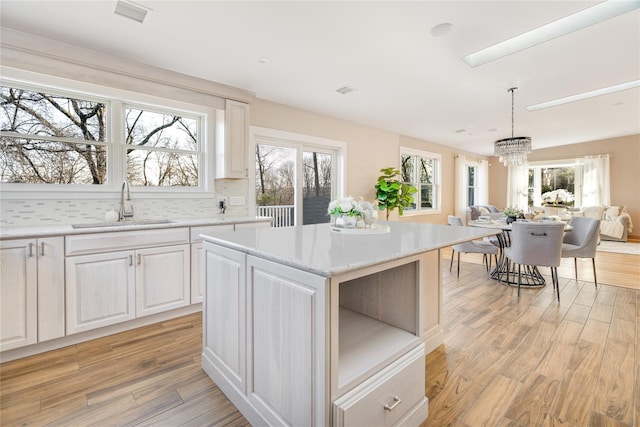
[123,223]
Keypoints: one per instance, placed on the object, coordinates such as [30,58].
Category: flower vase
[349,221]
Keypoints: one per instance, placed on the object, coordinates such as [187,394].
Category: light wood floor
[505,362]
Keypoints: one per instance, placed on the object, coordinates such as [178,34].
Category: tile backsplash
[30,212]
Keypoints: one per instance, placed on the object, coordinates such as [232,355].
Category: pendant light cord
[512,90]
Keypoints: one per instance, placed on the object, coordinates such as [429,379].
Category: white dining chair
[582,242]
[474,247]
[536,244]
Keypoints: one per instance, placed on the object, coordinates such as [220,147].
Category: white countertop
[317,249]
[25,232]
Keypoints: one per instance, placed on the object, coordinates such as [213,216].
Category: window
[421,169]
[162,148]
[52,139]
[553,184]
[83,142]
[294,182]
[472,186]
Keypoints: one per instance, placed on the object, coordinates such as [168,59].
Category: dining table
[506,271]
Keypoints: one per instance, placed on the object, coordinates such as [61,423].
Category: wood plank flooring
[505,362]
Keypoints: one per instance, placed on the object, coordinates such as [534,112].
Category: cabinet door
[51,305]
[197,278]
[286,330]
[231,155]
[18,293]
[100,290]
[162,279]
[224,324]
[197,290]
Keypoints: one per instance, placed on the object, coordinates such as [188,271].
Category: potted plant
[391,193]
[344,212]
[511,213]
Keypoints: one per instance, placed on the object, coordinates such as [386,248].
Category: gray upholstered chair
[581,242]
[474,247]
[536,244]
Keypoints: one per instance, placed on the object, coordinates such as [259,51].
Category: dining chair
[581,242]
[474,247]
[536,244]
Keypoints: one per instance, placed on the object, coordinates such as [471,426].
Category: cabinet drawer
[241,225]
[124,240]
[387,397]
[207,229]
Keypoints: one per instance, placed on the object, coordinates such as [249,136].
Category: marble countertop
[318,249]
[25,232]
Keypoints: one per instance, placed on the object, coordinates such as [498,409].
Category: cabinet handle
[130,259]
[42,248]
[30,249]
[396,402]
[139,259]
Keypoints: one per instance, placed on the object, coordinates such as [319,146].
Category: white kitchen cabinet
[286,330]
[100,290]
[224,332]
[232,150]
[31,291]
[197,279]
[243,225]
[291,347]
[120,276]
[162,279]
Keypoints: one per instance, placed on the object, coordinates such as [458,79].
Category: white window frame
[116,99]
[301,143]
[537,183]
[476,190]
[437,187]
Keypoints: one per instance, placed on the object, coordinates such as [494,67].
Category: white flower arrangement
[511,211]
[558,196]
[344,206]
[348,207]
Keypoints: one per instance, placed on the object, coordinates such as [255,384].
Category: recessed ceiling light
[131,10]
[263,60]
[441,29]
[585,95]
[345,90]
[460,130]
[593,15]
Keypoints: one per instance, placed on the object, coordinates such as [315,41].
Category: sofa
[615,222]
[474,212]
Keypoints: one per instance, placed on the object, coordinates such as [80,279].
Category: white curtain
[460,201]
[596,188]
[482,181]
[518,186]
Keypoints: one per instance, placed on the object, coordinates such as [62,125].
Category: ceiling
[406,81]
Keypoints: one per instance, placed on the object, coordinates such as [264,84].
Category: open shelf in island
[366,344]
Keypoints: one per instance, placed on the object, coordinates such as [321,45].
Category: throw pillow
[475,213]
[611,213]
[483,210]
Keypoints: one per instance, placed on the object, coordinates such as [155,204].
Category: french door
[294,181]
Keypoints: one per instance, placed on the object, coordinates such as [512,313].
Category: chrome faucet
[124,213]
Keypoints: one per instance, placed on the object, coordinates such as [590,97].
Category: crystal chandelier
[512,151]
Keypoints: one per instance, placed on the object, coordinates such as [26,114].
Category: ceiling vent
[131,10]
[345,90]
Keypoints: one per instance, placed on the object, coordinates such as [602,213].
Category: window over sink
[65,140]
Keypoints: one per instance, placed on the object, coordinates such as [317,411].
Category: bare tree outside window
[166,149]
[61,139]
[50,139]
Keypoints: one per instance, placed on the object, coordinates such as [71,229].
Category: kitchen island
[311,326]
